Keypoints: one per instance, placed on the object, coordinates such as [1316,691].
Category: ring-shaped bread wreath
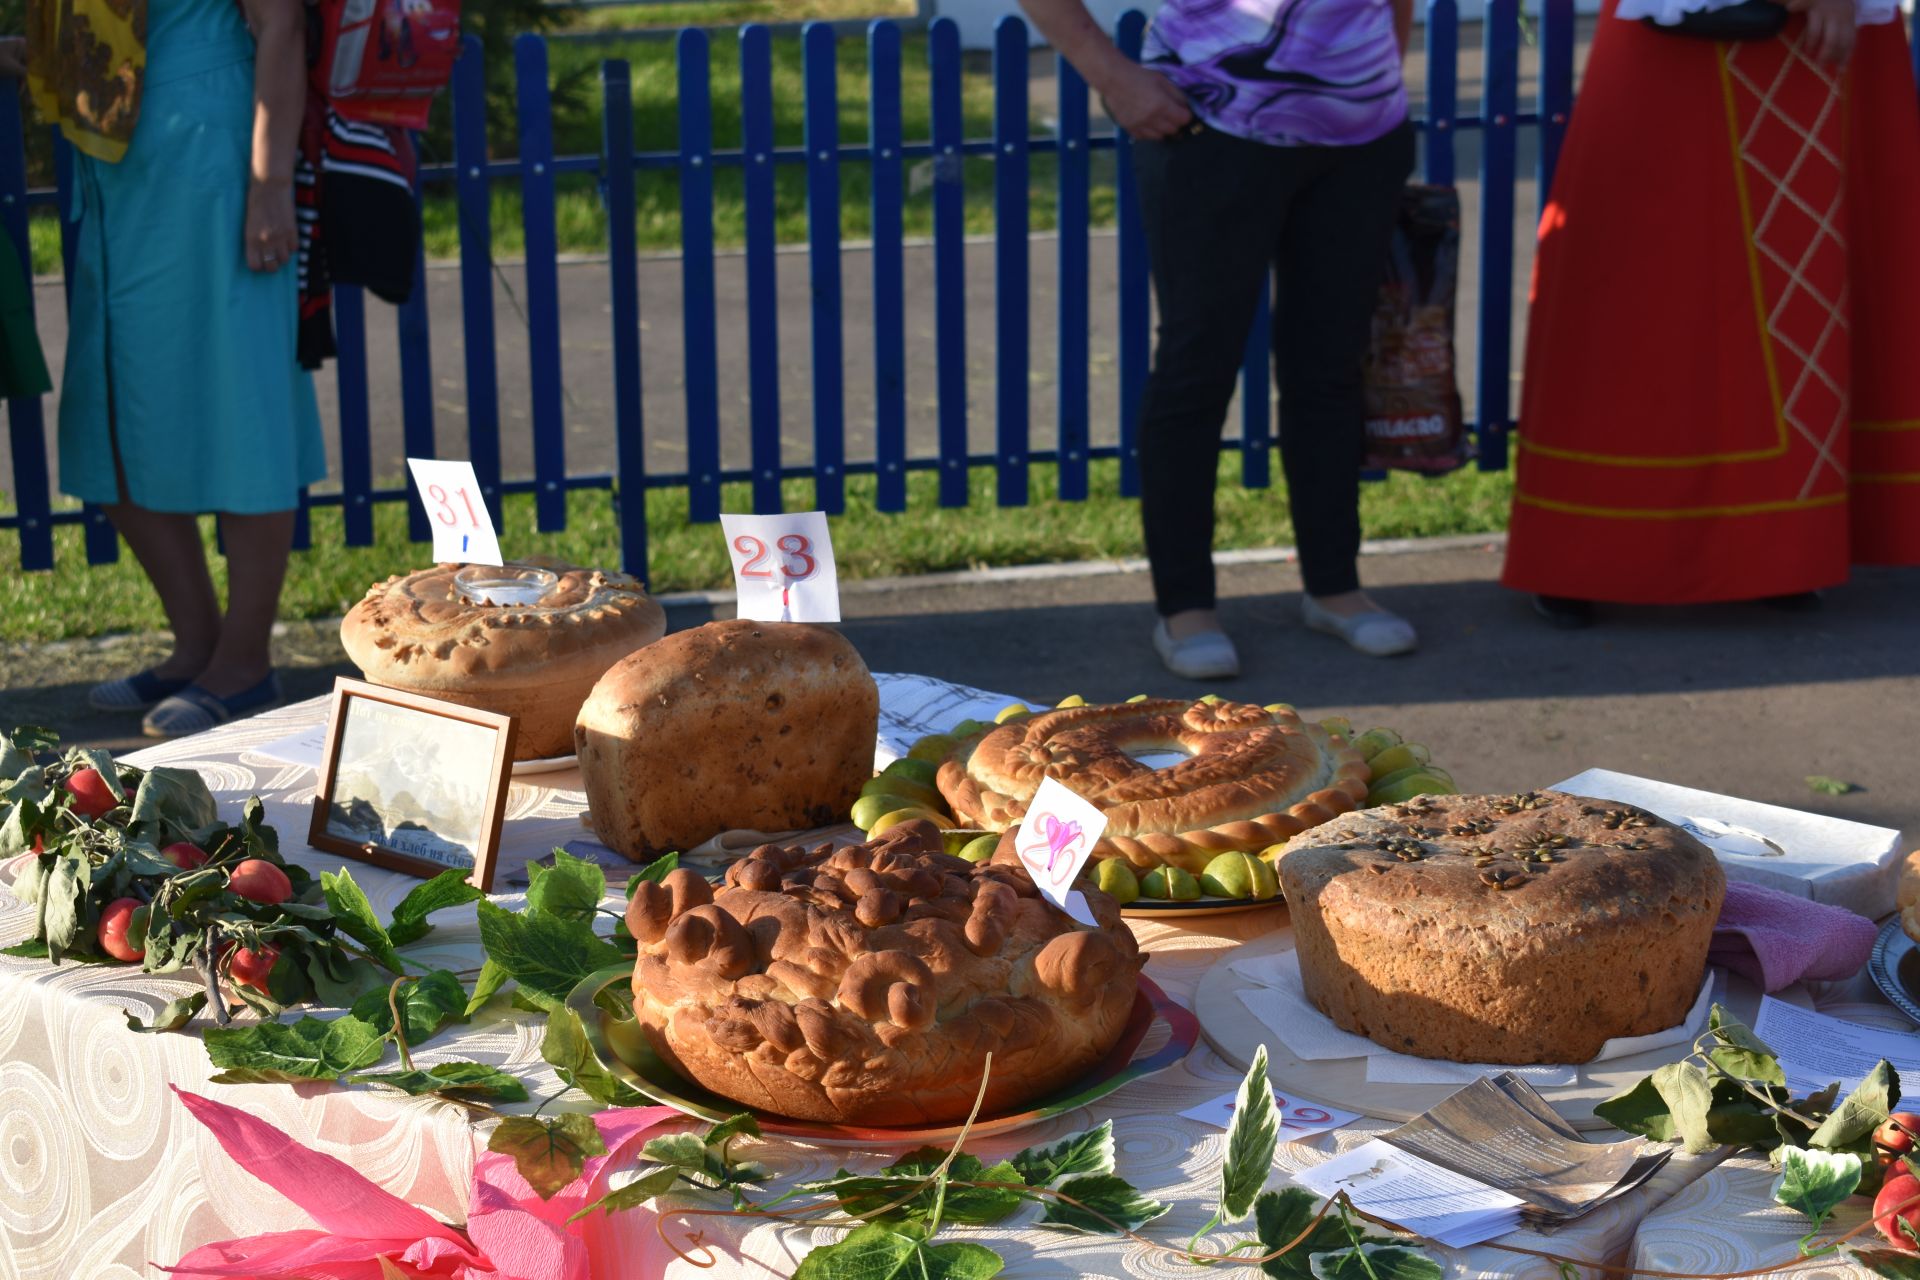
[1253,777]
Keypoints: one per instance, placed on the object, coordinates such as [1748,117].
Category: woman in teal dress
[182,393]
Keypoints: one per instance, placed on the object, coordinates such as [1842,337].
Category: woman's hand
[13,57]
[1145,103]
[272,235]
[1831,28]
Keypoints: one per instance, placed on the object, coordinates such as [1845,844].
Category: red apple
[124,916]
[258,880]
[250,968]
[91,796]
[1895,1138]
[1896,1191]
[185,856]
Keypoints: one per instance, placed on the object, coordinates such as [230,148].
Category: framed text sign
[411,783]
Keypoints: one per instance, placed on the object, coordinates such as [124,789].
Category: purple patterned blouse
[1285,72]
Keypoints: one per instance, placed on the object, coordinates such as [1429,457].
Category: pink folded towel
[1777,939]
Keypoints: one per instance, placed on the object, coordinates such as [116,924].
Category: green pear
[1411,783]
[1169,884]
[933,748]
[1395,759]
[1373,742]
[923,772]
[1012,711]
[1239,875]
[980,848]
[1115,878]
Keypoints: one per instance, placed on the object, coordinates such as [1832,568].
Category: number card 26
[783,568]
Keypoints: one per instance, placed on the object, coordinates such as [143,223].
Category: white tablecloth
[102,1172]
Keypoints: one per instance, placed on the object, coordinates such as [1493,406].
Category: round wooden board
[1342,1082]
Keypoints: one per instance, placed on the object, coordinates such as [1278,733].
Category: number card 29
[783,568]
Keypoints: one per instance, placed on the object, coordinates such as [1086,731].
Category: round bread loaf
[1502,929]
[868,984]
[1254,776]
[763,726]
[536,662]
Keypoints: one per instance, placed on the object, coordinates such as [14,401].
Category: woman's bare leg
[167,545]
[257,551]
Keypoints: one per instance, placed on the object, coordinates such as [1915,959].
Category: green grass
[75,600]
[581,219]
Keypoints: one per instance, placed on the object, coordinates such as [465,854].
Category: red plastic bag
[382,61]
[1413,401]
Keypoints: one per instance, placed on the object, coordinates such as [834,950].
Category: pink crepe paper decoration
[367,1233]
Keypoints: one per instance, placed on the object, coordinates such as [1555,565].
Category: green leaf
[1279,1219]
[1815,1181]
[1821,784]
[278,1052]
[1105,1200]
[1375,1262]
[174,1015]
[571,888]
[1894,1264]
[654,1182]
[63,905]
[171,804]
[734,1126]
[455,1079]
[874,1196]
[1076,1155]
[1689,1097]
[1251,1138]
[16,836]
[426,1005]
[566,1047]
[547,955]
[448,889]
[681,1150]
[1862,1111]
[31,949]
[655,870]
[548,1151]
[356,918]
[340,978]
[876,1252]
[493,976]
[18,748]
[1740,1053]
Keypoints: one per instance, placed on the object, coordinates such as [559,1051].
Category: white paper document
[783,568]
[1816,1050]
[1299,1117]
[305,747]
[1427,1200]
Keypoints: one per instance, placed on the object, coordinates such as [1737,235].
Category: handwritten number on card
[446,515]
[797,562]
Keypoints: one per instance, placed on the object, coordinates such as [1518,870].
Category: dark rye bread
[868,984]
[1501,929]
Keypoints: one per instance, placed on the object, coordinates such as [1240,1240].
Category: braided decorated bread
[868,984]
[1254,776]
[537,662]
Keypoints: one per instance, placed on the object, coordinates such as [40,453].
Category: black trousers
[1219,213]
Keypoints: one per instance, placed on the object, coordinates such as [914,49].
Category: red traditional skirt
[1722,395]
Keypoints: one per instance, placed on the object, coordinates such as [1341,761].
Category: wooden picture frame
[403,743]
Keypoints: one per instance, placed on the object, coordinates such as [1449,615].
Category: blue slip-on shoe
[194,710]
[136,692]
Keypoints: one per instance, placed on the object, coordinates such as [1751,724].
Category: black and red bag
[1412,398]
[382,61]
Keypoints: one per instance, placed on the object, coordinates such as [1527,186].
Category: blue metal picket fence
[1012,144]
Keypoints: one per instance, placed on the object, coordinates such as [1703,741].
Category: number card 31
[783,568]
[462,529]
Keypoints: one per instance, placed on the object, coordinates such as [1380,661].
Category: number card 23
[783,568]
